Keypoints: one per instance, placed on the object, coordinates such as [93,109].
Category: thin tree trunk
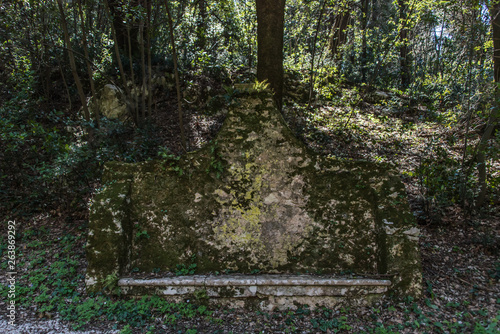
[87,60]
[132,76]
[72,62]
[339,35]
[201,25]
[176,73]
[66,87]
[404,52]
[119,61]
[463,186]
[46,82]
[143,66]
[439,45]
[364,51]
[495,112]
[374,13]
[311,71]
[150,69]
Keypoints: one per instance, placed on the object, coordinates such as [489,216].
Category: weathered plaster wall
[254,199]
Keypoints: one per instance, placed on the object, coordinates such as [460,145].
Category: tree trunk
[364,48]
[71,56]
[439,46]
[143,67]
[374,14]
[45,61]
[123,76]
[87,60]
[135,93]
[124,28]
[201,25]
[313,54]
[404,52]
[339,35]
[150,67]
[177,81]
[495,112]
[270,24]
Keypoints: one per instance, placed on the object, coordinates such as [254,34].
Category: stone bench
[263,291]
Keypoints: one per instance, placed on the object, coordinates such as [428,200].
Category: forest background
[413,84]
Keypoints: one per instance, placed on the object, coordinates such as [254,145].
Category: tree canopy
[431,58]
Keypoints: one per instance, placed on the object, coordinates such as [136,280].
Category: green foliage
[111,283]
[495,273]
[183,269]
[201,295]
[140,234]
[48,158]
[216,165]
[441,180]
[54,287]
[260,86]
[490,327]
[30,148]
[187,269]
[171,159]
[126,330]
[328,323]
[51,158]
[329,83]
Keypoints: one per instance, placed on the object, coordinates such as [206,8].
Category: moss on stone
[108,242]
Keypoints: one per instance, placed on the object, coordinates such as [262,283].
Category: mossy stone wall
[255,199]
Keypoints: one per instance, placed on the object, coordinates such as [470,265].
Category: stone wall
[254,200]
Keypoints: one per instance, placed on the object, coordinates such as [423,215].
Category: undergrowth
[51,160]
[50,282]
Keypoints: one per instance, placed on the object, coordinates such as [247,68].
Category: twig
[476,286]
